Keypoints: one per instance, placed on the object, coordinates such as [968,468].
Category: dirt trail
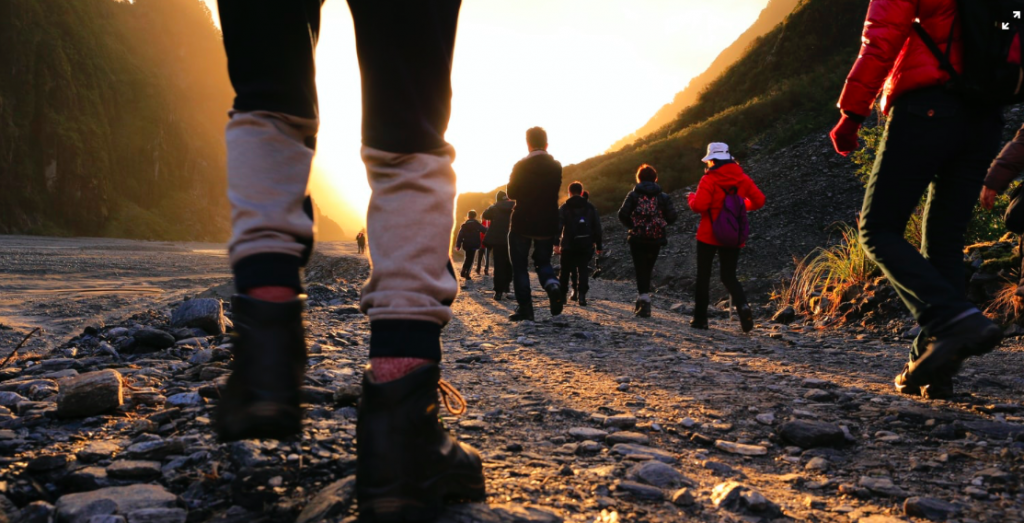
[590,416]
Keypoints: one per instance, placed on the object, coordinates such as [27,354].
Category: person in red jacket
[938,143]
[722,176]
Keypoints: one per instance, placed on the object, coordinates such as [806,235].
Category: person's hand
[844,135]
[988,198]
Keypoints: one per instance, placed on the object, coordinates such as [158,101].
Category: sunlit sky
[588,71]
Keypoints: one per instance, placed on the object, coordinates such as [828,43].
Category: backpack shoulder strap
[943,58]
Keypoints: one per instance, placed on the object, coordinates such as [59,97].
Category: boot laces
[449,393]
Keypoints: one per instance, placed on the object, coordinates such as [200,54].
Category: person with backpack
[723,197]
[936,67]
[646,212]
[573,272]
[534,185]
[483,256]
[500,215]
[580,227]
[407,464]
[468,241]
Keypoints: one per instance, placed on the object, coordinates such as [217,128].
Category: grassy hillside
[111,119]
[773,14]
[784,87]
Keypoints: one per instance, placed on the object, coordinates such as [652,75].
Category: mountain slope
[772,15]
[111,119]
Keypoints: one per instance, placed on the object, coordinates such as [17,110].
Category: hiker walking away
[534,185]
[723,197]
[573,272]
[361,242]
[1004,169]
[646,212]
[941,134]
[483,258]
[580,228]
[496,240]
[406,462]
[468,241]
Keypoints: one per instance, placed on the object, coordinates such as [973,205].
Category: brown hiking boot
[971,336]
[407,464]
[262,399]
[940,388]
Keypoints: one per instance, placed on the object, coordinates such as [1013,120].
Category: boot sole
[557,304]
[746,320]
[949,354]
[395,509]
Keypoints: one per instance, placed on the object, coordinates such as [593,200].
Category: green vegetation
[824,277]
[111,119]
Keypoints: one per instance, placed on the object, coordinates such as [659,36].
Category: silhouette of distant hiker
[723,197]
[361,242]
[468,241]
[500,215]
[483,256]
[407,463]
[580,231]
[574,273]
[938,141]
[646,212]
[534,185]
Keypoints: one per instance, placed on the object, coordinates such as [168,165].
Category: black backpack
[580,230]
[993,40]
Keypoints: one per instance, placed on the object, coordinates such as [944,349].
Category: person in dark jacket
[574,274]
[534,185]
[580,227]
[468,241]
[483,256]
[361,242]
[936,143]
[722,175]
[496,240]
[646,212]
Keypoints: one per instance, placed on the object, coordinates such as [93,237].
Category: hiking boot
[940,388]
[554,291]
[263,396]
[521,316]
[582,299]
[407,464]
[972,336]
[901,383]
[643,309]
[701,324]
[746,317]
[497,296]
[574,295]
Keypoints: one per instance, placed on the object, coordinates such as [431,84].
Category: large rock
[630,449]
[930,508]
[35,512]
[640,491]
[656,473]
[332,501]
[737,497]
[809,434]
[78,508]
[204,313]
[153,338]
[90,394]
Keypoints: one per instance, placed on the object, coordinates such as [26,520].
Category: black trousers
[467,264]
[519,253]
[936,145]
[644,258]
[576,262]
[729,258]
[483,260]
[405,52]
[502,268]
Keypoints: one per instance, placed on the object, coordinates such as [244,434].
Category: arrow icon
[1006,26]
[1016,14]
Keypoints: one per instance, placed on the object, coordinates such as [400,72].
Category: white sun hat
[717,151]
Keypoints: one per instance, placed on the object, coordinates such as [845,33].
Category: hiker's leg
[639,262]
[914,148]
[565,271]
[729,258]
[702,287]
[270,139]
[467,264]
[542,250]
[519,254]
[648,257]
[583,269]
[502,268]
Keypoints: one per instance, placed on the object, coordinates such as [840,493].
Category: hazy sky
[589,71]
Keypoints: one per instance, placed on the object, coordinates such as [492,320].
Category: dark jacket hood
[647,188]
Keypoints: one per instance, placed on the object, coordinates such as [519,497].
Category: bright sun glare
[589,71]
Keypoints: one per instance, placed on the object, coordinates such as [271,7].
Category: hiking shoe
[521,316]
[262,399]
[407,464]
[497,296]
[746,317]
[972,336]
[699,324]
[941,388]
[582,299]
[554,291]
[901,383]
[643,309]
[574,295]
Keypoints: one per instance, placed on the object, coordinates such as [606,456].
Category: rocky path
[592,416]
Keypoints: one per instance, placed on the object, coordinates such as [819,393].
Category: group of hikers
[940,137]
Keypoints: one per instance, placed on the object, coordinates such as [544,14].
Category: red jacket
[893,59]
[710,196]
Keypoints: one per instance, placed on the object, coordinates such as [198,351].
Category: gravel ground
[593,416]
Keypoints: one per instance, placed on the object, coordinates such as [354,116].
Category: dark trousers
[576,262]
[502,268]
[483,260]
[644,257]
[729,257]
[405,52]
[937,145]
[519,253]
[467,264]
